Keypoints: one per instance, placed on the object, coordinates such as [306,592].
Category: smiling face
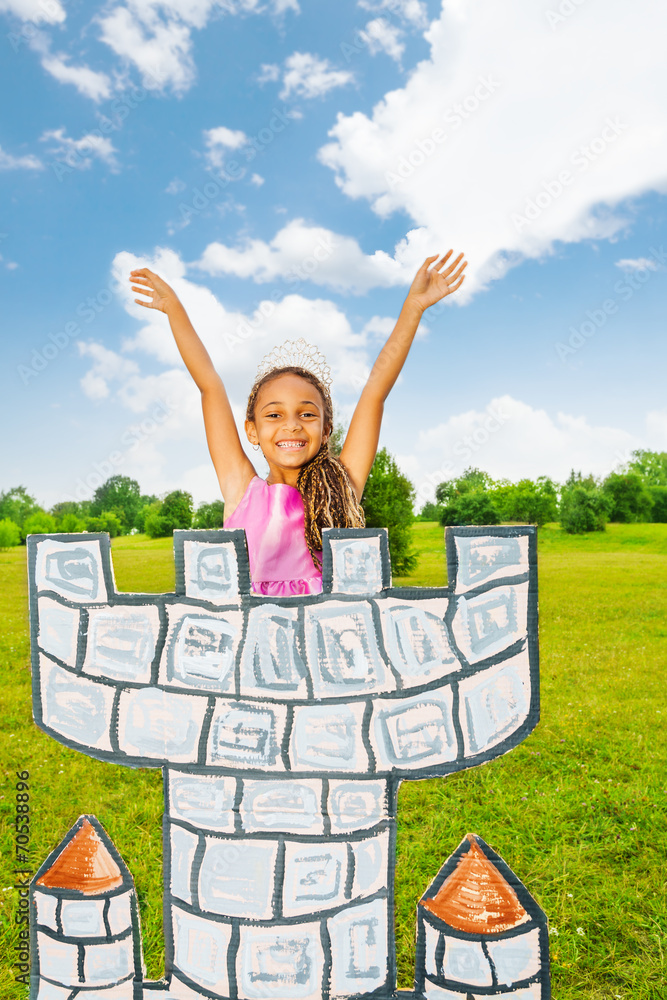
[290,423]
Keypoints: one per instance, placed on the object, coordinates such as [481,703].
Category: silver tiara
[296,354]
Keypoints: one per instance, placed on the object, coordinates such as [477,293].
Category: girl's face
[289,422]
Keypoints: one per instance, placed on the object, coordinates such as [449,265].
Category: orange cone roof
[85,864]
[475,897]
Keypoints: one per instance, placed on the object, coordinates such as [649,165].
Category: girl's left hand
[432,283]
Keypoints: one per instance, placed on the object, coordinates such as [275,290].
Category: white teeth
[291,444]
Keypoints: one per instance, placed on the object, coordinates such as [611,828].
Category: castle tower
[479,932]
[85,921]
[284,727]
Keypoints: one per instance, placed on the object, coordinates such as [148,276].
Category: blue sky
[288,166]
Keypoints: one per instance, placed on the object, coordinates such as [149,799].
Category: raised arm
[432,282]
[233,467]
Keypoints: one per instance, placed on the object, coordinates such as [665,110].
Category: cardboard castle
[284,727]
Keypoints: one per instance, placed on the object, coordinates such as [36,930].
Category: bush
[473,507]
[630,498]
[144,511]
[210,515]
[583,508]
[107,521]
[526,501]
[71,523]
[387,502]
[10,533]
[38,523]
[155,526]
[659,497]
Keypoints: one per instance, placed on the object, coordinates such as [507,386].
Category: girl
[290,418]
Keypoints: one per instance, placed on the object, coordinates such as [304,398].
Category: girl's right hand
[162,295]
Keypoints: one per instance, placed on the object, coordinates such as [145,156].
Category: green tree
[431,512]
[17,505]
[146,508]
[470,479]
[583,508]
[337,438]
[209,515]
[651,466]
[10,533]
[659,497]
[629,496]
[174,511]
[71,523]
[387,501]
[467,499]
[589,482]
[526,501]
[80,508]
[38,523]
[177,509]
[120,495]
[471,507]
[155,526]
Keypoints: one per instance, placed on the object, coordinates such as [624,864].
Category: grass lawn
[578,810]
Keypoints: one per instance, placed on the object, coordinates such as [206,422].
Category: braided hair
[328,498]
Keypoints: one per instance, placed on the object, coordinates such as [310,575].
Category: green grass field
[578,811]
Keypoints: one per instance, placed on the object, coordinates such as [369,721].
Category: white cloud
[88,82]
[513,440]
[257,180]
[107,366]
[379,326]
[9,162]
[301,252]
[637,264]
[306,75]
[512,136]
[48,11]
[161,53]
[381,36]
[156,35]
[412,11]
[235,340]
[175,186]
[269,73]
[79,153]
[220,139]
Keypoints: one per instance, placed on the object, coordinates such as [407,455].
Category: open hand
[162,295]
[432,283]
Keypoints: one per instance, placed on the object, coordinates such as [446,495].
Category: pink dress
[273,519]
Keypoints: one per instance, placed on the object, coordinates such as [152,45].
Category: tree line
[119,507]
[636,492]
